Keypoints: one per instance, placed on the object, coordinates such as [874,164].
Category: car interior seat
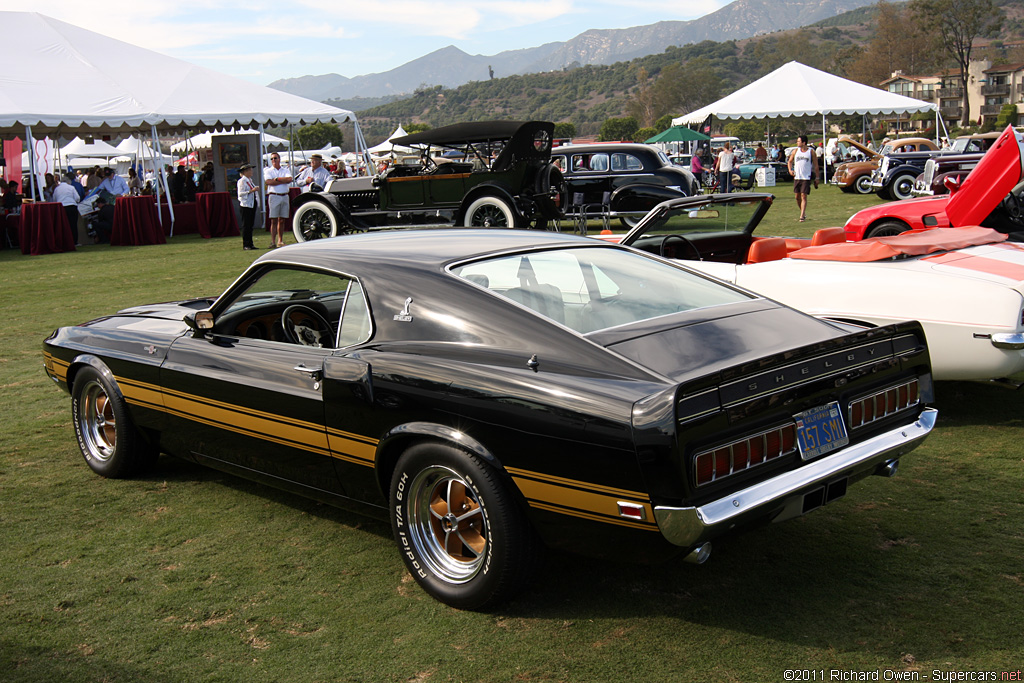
[828,236]
[767,249]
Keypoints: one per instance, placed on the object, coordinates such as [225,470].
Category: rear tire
[460,532]
[107,436]
[887,229]
[313,221]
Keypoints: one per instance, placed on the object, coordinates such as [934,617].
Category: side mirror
[952,184]
[199,322]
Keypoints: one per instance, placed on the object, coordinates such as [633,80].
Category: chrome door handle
[315,374]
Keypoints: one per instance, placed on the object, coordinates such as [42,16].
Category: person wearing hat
[316,172]
[248,199]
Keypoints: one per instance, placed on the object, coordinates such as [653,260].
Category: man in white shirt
[67,195]
[278,180]
[316,172]
[114,184]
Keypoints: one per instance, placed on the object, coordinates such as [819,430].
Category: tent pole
[31,161]
[156,177]
[824,149]
[167,189]
[263,186]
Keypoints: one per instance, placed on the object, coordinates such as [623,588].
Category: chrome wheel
[97,422]
[863,184]
[447,524]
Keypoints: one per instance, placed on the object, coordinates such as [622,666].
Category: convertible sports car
[965,285]
[990,196]
[501,391]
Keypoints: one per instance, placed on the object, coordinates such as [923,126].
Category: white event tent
[71,81]
[795,89]
[389,148]
[205,140]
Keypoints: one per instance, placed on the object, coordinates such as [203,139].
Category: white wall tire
[314,220]
[489,212]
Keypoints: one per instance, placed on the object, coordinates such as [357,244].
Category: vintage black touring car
[503,391]
[503,178]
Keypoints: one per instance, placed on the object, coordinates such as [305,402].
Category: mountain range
[451,67]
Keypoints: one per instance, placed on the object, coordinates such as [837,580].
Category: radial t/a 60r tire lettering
[107,436]
[458,529]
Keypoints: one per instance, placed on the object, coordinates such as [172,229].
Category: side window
[599,162]
[626,162]
[287,305]
[355,318]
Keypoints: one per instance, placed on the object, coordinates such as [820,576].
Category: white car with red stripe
[965,285]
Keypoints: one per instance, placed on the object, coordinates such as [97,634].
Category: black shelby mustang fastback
[502,391]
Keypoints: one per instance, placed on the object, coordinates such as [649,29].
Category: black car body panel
[593,421]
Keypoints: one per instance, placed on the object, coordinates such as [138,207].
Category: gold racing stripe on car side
[55,366]
[581,499]
[354,448]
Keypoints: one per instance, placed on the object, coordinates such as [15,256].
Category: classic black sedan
[622,181]
[503,391]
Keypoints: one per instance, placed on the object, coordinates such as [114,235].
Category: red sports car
[989,196]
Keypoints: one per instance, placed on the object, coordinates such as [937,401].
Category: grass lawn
[192,575]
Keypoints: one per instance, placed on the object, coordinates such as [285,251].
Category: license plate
[820,430]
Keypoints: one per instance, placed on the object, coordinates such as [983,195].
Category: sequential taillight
[866,410]
[741,455]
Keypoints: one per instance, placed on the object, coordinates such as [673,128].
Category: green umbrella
[677,134]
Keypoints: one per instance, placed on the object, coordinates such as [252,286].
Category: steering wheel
[664,248]
[311,330]
[1011,204]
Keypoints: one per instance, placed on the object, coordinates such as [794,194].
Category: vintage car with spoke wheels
[502,392]
[990,195]
[503,179]
[619,180]
[855,175]
[965,285]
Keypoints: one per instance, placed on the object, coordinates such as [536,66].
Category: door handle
[315,374]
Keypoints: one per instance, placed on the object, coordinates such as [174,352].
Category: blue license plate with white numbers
[820,430]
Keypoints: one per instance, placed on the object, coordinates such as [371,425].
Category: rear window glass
[594,288]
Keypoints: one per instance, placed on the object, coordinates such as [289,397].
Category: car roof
[602,147]
[473,131]
[430,249]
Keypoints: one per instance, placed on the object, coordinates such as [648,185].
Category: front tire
[107,436]
[460,533]
[313,221]
[887,229]
[902,186]
[863,184]
[490,212]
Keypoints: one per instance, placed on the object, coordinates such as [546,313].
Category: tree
[645,133]
[565,130]
[416,128]
[1007,116]
[643,103]
[958,23]
[900,43]
[748,131]
[682,88]
[317,135]
[622,128]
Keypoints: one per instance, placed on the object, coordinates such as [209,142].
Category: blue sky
[262,41]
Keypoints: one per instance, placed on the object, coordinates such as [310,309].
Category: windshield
[710,217]
[594,288]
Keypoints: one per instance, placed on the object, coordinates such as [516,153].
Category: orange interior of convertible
[775,248]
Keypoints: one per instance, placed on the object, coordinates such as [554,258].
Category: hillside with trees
[866,45]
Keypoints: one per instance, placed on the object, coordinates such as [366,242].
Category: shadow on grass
[24,662]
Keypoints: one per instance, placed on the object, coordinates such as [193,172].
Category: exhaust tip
[700,554]
[889,469]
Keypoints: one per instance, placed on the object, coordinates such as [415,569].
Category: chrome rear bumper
[689,526]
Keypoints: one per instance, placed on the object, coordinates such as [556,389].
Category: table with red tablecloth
[44,229]
[185,222]
[136,222]
[215,215]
